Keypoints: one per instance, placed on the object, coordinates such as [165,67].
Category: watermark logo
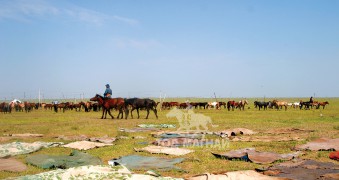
[195,123]
[190,121]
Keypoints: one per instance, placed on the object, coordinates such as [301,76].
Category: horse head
[245,102]
[97,97]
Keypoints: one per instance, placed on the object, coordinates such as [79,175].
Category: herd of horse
[280,104]
[128,105]
[18,106]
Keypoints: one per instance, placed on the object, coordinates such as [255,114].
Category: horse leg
[118,112]
[106,113]
[155,112]
[122,113]
[109,112]
[103,112]
[138,113]
[126,113]
[147,113]
[132,112]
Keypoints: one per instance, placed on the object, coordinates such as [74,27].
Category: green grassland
[325,123]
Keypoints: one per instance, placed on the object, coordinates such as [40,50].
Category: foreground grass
[325,123]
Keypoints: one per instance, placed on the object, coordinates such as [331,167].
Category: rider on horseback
[108,92]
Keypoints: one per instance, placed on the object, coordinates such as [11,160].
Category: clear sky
[187,48]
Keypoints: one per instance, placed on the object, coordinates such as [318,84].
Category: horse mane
[99,95]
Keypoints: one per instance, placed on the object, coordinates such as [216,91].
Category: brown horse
[28,107]
[87,106]
[108,104]
[62,106]
[323,104]
[222,104]
[48,106]
[77,106]
[279,104]
[232,104]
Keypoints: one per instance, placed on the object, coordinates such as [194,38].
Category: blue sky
[188,48]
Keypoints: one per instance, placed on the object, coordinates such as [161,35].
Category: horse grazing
[28,107]
[202,104]
[109,103]
[214,105]
[19,107]
[60,106]
[5,108]
[87,106]
[222,104]
[183,105]
[77,106]
[232,104]
[241,104]
[261,104]
[96,107]
[279,104]
[137,104]
[323,104]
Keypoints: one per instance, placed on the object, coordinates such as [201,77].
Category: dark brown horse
[232,104]
[137,104]
[77,107]
[222,104]
[62,106]
[28,107]
[110,103]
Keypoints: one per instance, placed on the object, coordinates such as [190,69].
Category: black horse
[202,104]
[261,104]
[6,108]
[137,104]
[307,104]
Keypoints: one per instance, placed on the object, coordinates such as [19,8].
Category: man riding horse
[108,92]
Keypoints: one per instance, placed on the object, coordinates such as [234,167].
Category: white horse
[214,104]
[15,102]
[295,104]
